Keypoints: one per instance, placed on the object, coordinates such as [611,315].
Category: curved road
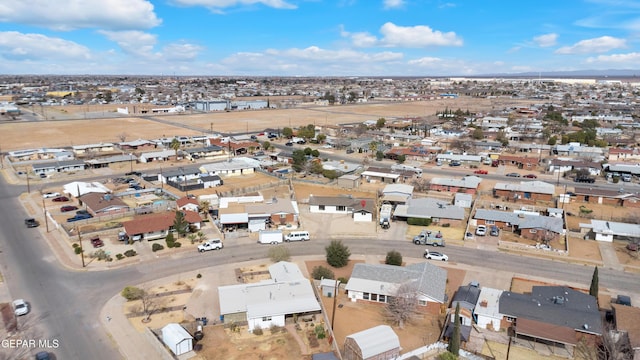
[66,303]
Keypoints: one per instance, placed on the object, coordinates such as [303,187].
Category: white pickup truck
[213,244]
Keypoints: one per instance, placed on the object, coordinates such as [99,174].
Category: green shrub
[199,276]
[78,250]
[446,225]
[393,258]
[418,221]
[156,247]
[132,293]
[337,254]
[119,256]
[177,244]
[75,245]
[170,240]
[130,253]
[320,272]
[320,333]
[343,280]
[447,356]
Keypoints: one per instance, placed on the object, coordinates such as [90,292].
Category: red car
[96,242]
[481,172]
[531,176]
[60,199]
[68,208]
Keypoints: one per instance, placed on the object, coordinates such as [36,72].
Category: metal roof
[376,340]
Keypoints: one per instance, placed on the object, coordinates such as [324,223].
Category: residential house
[379,283]
[81,150]
[557,316]
[162,155]
[58,167]
[188,203]
[608,231]
[99,204]
[627,327]
[438,210]
[525,191]
[534,227]
[521,162]
[139,145]
[362,209]
[466,296]
[623,154]
[106,161]
[396,193]
[269,302]
[204,152]
[349,181]
[562,166]
[461,158]
[277,211]
[384,175]
[606,197]
[157,226]
[577,150]
[236,167]
[376,343]
[468,184]
[463,200]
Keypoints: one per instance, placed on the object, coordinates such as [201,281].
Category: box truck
[270,237]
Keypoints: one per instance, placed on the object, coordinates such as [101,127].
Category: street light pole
[80,242]
[130,162]
[44,211]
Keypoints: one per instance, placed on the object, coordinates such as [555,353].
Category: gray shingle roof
[558,305]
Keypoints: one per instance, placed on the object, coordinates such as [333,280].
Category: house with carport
[384,175]
[269,302]
[534,227]
[596,195]
[525,191]
[439,211]
[361,209]
[99,204]
[396,194]
[158,225]
[378,283]
[608,231]
[468,184]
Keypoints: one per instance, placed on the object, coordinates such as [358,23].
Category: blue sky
[317,37]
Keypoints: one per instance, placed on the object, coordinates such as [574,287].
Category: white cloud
[135,43]
[596,45]
[546,40]
[392,4]
[181,52]
[630,59]
[418,36]
[37,47]
[223,4]
[76,14]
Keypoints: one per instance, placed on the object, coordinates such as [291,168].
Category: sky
[317,37]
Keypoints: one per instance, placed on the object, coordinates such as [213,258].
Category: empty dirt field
[87,124]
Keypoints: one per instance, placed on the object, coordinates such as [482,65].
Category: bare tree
[122,136]
[402,307]
[148,304]
[612,345]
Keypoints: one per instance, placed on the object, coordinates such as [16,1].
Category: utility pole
[28,187]
[80,242]
[335,301]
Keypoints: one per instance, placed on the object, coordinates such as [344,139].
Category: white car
[213,244]
[20,307]
[50,194]
[327,146]
[434,255]
[481,230]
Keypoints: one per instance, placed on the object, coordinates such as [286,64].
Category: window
[266,318]
[382,298]
[509,319]
[533,231]
[422,302]
[374,297]
[489,222]
[283,216]
[321,207]
[341,208]
[365,296]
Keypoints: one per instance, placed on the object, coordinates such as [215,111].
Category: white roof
[84,188]
[173,334]
[492,299]
[238,218]
[615,228]
[285,271]
[376,340]
[398,188]
[539,187]
[470,182]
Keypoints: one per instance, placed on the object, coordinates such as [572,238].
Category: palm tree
[175,145]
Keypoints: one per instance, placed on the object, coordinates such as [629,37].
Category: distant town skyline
[317,37]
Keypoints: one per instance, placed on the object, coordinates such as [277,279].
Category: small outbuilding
[376,343]
[176,338]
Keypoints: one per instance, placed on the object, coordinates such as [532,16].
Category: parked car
[495,231]
[67,208]
[481,172]
[60,199]
[122,236]
[133,173]
[350,151]
[434,255]
[31,222]
[531,176]
[455,163]
[20,307]
[79,217]
[213,244]
[50,194]
[513,175]
[289,143]
[96,242]
[481,230]
[43,355]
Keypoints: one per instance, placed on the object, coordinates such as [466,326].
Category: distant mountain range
[574,74]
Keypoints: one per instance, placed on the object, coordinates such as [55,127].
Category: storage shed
[377,343]
[176,338]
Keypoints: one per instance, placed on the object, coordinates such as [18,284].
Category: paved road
[66,303]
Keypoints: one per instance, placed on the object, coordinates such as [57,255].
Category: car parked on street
[20,307]
[60,199]
[481,172]
[213,244]
[455,163]
[434,255]
[513,175]
[530,176]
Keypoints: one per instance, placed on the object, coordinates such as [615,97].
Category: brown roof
[186,200]
[546,331]
[157,222]
[98,202]
[627,320]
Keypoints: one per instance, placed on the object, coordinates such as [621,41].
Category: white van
[297,236]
